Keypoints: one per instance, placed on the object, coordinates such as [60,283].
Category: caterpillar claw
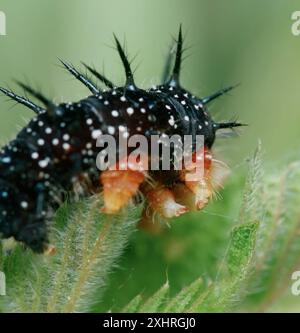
[202,192]
[162,200]
[172,209]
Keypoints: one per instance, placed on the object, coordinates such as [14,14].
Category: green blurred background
[231,41]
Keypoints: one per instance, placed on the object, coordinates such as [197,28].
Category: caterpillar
[57,150]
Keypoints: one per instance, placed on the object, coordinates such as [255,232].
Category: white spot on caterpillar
[35,156]
[122,128]
[55,142]
[66,137]
[41,142]
[43,163]
[66,146]
[172,121]
[96,133]
[111,130]
[115,113]
[130,111]
[6,159]
[24,204]
[48,130]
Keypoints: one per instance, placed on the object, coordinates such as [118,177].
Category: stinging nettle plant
[88,245]
[263,250]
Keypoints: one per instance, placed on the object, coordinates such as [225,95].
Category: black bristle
[126,64]
[22,100]
[93,89]
[99,76]
[168,64]
[233,124]
[174,80]
[218,94]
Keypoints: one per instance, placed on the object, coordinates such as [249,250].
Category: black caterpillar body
[57,149]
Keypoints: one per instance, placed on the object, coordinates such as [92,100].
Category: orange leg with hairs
[122,182]
[119,186]
[200,190]
[196,194]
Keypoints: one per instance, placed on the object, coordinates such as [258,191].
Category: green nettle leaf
[242,248]
[88,243]
[154,303]
[133,305]
[219,296]
[252,209]
[278,247]
[183,299]
[226,291]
